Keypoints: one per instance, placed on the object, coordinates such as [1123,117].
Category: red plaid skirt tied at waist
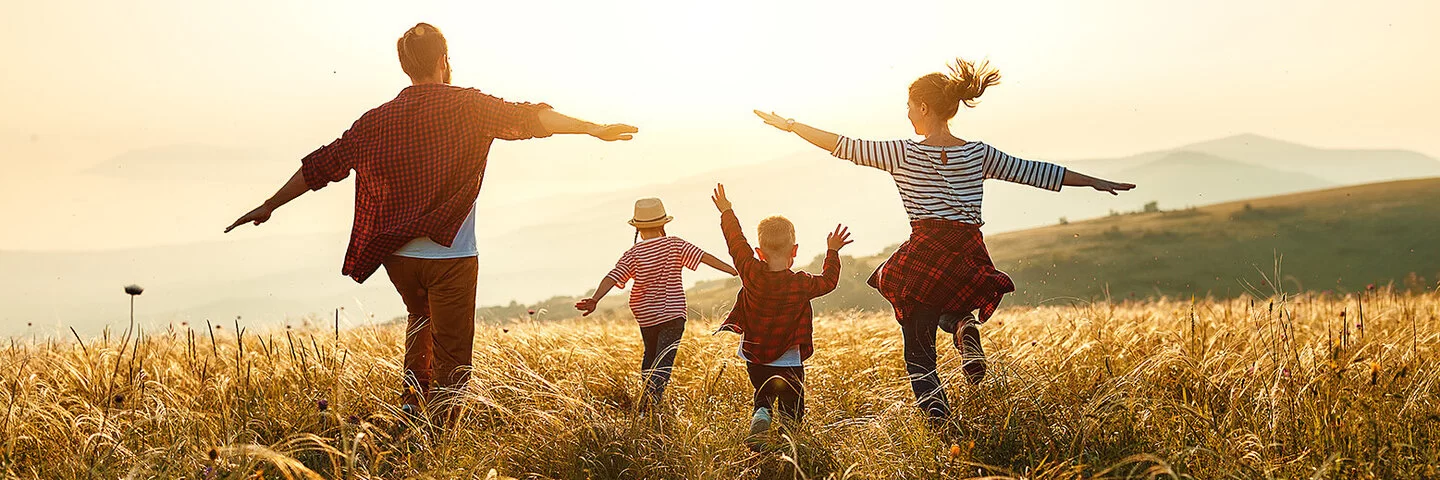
[944,264]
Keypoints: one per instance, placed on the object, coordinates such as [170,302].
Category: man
[419,160]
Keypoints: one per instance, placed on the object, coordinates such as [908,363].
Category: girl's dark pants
[918,323]
[661,343]
[782,385]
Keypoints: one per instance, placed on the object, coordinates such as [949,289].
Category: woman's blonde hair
[944,93]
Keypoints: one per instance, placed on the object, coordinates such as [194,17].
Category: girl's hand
[587,305]
[776,121]
[1112,187]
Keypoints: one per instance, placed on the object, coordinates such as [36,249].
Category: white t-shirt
[791,357]
[464,245]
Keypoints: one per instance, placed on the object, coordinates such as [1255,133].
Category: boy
[772,312]
[658,296]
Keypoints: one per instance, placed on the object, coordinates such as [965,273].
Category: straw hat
[649,213]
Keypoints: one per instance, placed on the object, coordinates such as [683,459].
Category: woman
[943,273]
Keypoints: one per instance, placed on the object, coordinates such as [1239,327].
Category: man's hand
[839,238]
[718,197]
[587,305]
[1112,187]
[612,132]
[259,215]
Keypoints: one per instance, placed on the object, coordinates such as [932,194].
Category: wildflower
[322,404]
[29,324]
[133,290]
[119,398]
[954,450]
[354,420]
[530,311]
[213,454]
[1370,287]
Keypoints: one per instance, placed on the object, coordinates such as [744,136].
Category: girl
[658,297]
[943,272]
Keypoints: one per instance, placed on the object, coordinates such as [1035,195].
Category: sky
[130,124]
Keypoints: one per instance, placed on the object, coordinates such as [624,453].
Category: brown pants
[440,333]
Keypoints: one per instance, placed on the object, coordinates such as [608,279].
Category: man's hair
[777,235]
[421,48]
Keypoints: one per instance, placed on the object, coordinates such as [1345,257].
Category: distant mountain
[1337,166]
[1340,166]
[1186,178]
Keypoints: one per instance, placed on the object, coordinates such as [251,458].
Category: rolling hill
[1340,240]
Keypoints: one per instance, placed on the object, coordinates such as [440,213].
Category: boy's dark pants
[661,343]
[782,385]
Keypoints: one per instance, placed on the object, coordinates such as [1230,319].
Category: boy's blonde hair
[777,235]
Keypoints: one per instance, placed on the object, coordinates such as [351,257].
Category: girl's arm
[588,305]
[1077,179]
[718,264]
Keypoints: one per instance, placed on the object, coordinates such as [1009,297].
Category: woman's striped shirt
[945,182]
[658,295]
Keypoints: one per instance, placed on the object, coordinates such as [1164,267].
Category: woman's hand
[1112,187]
[776,121]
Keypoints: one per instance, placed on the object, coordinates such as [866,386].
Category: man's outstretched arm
[559,123]
[292,189]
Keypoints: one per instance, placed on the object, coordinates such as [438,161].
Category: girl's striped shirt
[658,295]
[945,182]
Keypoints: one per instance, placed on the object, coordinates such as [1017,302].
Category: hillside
[1341,240]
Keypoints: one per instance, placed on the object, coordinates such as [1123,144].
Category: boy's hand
[839,238]
[587,305]
[721,202]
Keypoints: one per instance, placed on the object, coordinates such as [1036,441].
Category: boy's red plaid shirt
[772,310]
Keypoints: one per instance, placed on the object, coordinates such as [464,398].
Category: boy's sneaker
[759,426]
[966,337]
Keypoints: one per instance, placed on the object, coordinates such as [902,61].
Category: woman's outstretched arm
[1077,179]
[815,136]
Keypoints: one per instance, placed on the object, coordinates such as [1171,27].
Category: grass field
[1284,387]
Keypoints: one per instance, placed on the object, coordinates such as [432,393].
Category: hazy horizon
[157,124]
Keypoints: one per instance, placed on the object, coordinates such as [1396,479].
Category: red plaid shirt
[944,264]
[419,160]
[772,311]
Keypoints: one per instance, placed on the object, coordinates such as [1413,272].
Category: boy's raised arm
[830,276]
[735,241]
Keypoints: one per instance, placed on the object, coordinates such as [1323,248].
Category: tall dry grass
[1310,386]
